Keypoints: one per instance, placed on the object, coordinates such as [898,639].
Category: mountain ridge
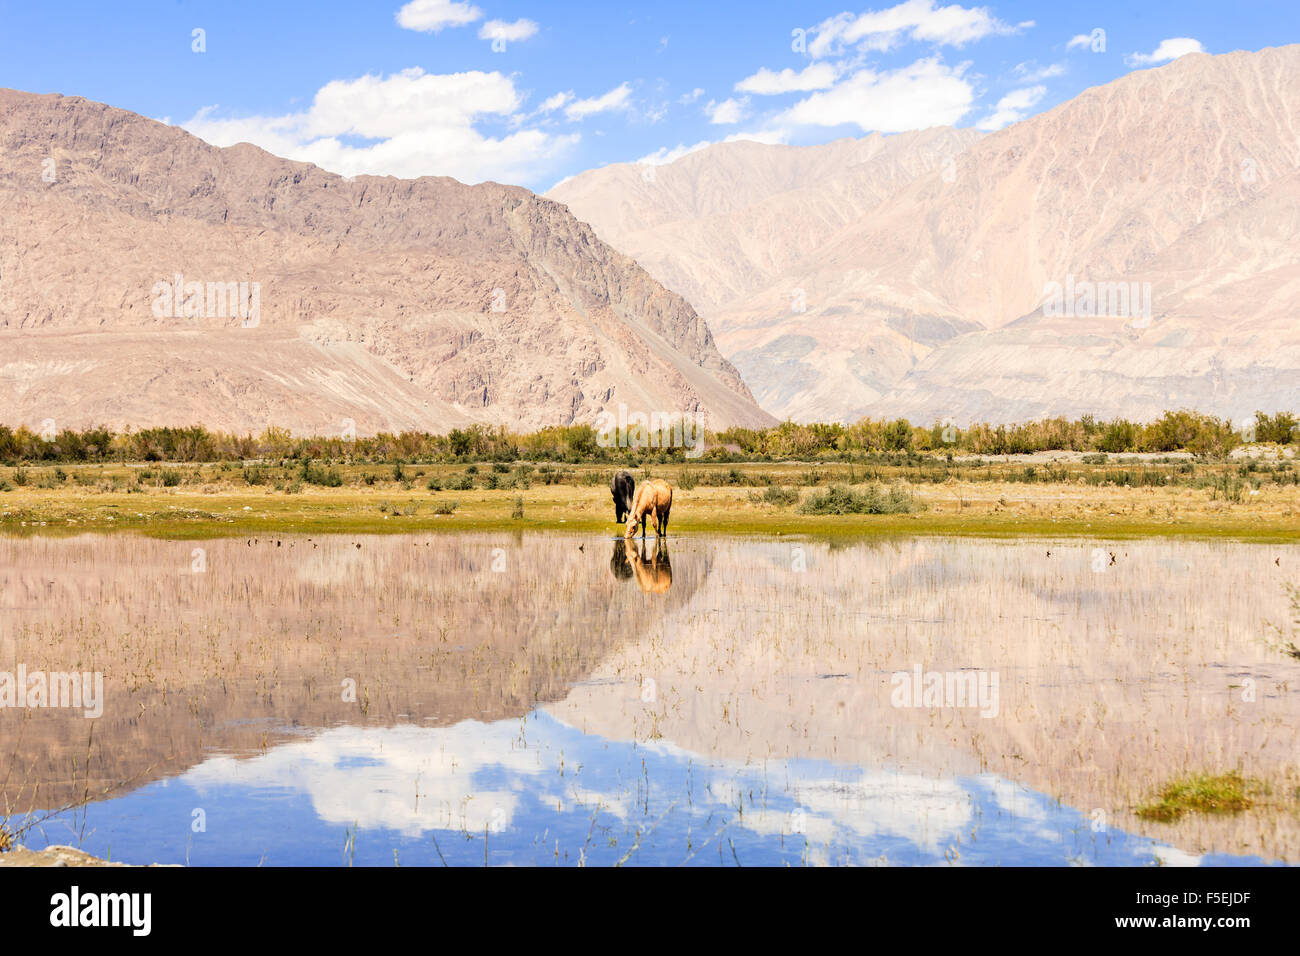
[390,304]
[928,304]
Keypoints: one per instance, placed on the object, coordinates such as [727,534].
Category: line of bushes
[1181,431]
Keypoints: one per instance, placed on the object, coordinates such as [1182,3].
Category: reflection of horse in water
[653,575]
[619,566]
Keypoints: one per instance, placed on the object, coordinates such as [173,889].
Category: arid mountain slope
[726,221]
[929,303]
[389,303]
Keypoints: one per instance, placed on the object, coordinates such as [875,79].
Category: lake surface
[559,699]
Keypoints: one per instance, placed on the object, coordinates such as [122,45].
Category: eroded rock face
[393,303]
[911,276]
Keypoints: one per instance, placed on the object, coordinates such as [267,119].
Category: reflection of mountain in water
[432,630]
[1112,682]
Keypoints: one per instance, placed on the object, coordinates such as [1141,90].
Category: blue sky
[529,92]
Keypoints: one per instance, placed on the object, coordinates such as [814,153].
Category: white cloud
[507,32]
[1033,73]
[728,111]
[915,20]
[666,155]
[615,99]
[816,76]
[1012,108]
[375,106]
[421,124]
[553,103]
[769,136]
[687,98]
[1078,40]
[925,93]
[1170,49]
[430,16]
[655,114]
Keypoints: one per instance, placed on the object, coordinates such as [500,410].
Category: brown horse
[655,575]
[654,499]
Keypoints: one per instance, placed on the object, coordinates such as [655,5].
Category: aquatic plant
[1202,793]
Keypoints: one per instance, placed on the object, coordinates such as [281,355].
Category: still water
[550,699]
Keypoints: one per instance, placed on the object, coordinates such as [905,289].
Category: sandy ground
[51,856]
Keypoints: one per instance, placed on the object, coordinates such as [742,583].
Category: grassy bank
[1065,496]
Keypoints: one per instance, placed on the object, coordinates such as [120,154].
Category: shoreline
[990,511]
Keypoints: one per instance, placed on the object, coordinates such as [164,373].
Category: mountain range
[1132,250]
[926,274]
[148,278]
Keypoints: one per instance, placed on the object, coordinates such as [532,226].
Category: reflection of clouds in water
[757,664]
[544,777]
[928,813]
[1172,856]
[408,779]
[617,804]
[416,779]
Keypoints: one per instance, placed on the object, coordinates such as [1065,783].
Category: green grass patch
[874,500]
[777,496]
[1224,793]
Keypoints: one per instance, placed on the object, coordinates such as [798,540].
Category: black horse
[621,489]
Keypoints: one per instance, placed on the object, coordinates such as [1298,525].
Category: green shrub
[874,500]
[325,477]
[776,495]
